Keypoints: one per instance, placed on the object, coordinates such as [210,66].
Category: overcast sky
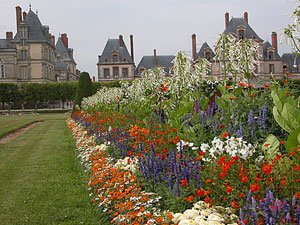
[165,25]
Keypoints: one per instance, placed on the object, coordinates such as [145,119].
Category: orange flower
[234,204]
[225,135]
[189,198]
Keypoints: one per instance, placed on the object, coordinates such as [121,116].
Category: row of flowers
[115,189]
[213,180]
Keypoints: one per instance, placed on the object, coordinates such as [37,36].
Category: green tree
[84,88]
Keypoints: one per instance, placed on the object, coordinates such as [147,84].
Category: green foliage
[286,112]
[271,147]
[84,88]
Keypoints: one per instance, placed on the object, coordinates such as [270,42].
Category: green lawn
[41,180]
[13,122]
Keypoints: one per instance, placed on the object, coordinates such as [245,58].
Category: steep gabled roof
[267,45]
[36,31]
[291,59]
[60,65]
[113,45]
[4,43]
[235,23]
[63,52]
[200,54]
[164,61]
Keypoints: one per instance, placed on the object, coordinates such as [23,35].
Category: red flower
[183,182]
[225,135]
[244,179]
[296,168]
[221,160]
[234,204]
[283,182]
[208,181]
[266,168]
[199,192]
[282,142]
[228,189]
[254,187]
[189,198]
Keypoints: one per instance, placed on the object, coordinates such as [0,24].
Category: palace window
[271,68]
[116,72]
[125,72]
[24,72]
[106,72]
[2,69]
[141,70]
[285,68]
[23,32]
[23,54]
[271,55]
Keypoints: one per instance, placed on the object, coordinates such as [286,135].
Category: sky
[164,25]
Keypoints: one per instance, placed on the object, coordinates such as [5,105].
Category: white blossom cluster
[203,214]
[231,146]
[128,163]
[186,77]
[238,58]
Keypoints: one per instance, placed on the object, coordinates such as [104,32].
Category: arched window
[2,69]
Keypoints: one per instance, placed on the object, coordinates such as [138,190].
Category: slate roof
[233,25]
[36,31]
[291,59]
[60,65]
[200,54]
[164,61]
[267,45]
[111,46]
[64,53]
[4,43]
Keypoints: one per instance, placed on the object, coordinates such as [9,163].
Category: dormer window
[241,32]
[271,54]
[207,55]
[23,32]
[115,57]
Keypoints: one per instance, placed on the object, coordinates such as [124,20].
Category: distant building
[149,62]
[116,63]
[31,56]
[65,65]
[270,63]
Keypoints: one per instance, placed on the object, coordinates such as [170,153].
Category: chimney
[24,15]
[155,58]
[18,15]
[274,41]
[246,16]
[9,35]
[53,39]
[131,47]
[121,42]
[226,19]
[194,51]
[65,40]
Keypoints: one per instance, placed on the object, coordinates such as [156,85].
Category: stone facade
[30,56]
[116,63]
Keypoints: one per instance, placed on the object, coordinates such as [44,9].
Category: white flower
[190,213]
[188,222]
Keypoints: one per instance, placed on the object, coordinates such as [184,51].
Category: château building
[116,63]
[269,61]
[32,56]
